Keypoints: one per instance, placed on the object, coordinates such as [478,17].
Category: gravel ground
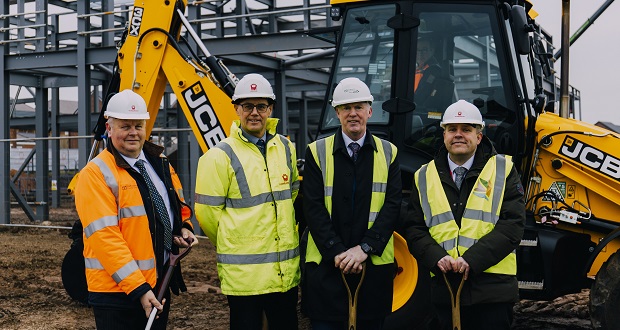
[33,295]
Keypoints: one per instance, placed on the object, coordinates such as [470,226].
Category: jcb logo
[591,157]
[206,119]
[136,21]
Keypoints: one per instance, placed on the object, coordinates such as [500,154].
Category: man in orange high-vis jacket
[129,221]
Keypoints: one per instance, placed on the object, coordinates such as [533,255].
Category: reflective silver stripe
[287,148]
[320,150]
[209,200]
[180,193]
[387,150]
[440,218]
[372,216]
[107,221]
[449,244]
[125,271]
[422,183]
[258,199]
[379,187]
[467,241]
[109,178]
[146,264]
[265,258]
[500,182]
[92,263]
[242,181]
[133,211]
[246,200]
[480,215]
[295,185]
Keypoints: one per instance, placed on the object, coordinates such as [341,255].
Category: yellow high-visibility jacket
[481,211]
[244,204]
[323,151]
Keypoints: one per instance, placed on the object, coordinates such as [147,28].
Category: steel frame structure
[43,55]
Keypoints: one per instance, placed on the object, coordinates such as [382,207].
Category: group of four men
[132,208]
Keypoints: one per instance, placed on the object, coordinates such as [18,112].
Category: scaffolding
[54,48]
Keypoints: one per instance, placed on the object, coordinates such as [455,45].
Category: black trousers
[246,312]
[109,318]
[497,316]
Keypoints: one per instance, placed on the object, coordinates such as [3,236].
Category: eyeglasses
[249,107]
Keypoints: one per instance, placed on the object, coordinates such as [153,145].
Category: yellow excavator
[489,52]
[493,54]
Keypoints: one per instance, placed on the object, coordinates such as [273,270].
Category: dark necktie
[355,148]
[459,174]
[160,207]
[261,145]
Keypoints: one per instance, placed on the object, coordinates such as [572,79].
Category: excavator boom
[150,58]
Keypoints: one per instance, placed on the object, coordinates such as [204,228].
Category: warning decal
[571,191]
[558,188]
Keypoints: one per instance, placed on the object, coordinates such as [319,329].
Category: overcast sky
[594,57]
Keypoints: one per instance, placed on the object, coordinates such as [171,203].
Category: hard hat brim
[443,124]
[118,115]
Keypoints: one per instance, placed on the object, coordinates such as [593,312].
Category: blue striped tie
[355,148]
[459,175]
[160,207]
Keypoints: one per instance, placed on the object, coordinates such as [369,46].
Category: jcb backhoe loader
[493,54]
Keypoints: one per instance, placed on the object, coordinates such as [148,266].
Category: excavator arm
[150,57]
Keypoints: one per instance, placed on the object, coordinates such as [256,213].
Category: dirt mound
[34,298]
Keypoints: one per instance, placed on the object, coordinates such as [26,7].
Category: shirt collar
[348,140]
[467,165]
[132,161]
[253,138]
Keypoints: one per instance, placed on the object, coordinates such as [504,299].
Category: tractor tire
[605,295]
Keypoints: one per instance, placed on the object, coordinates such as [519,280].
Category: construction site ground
[33,297]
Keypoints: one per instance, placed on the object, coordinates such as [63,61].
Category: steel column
[5,96]
[42,157]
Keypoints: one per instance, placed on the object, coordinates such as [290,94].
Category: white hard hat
[126,104]
[253,85]
[351,90]
[462,112]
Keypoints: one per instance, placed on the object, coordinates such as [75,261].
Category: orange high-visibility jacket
[118,244]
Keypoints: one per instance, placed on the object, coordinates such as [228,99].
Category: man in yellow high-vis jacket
[352,200]
[245,189]
[466,219]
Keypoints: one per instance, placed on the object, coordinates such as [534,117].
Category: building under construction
[58,63]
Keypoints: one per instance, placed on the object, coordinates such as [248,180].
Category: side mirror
[539,103]
[520,29]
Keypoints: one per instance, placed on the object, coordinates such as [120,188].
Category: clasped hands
[351,260]
[458,265]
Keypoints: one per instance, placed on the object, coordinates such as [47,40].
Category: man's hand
[186,237]
[447,264]
[350,261]
[148,301]
[462,267]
